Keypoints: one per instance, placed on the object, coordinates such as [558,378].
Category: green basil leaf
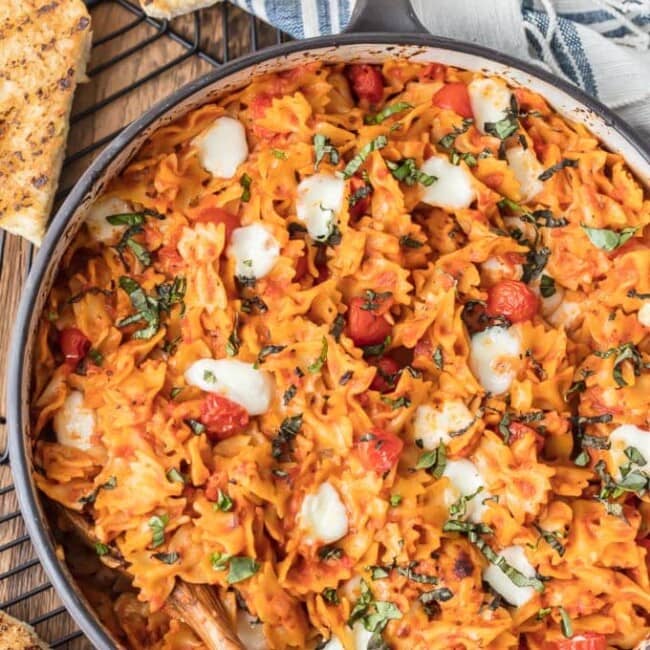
[386,112]
[167,558]
[608,240]
[374,145]
[241,568]
[565,162]
[317,365]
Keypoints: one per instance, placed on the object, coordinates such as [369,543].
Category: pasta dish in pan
[365,350]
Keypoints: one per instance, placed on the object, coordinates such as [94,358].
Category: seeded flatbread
[165,9]
[45,46]
[15,635]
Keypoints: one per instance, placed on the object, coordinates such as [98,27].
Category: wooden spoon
[195,605]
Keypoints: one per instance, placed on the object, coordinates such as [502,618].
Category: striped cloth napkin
[603,46]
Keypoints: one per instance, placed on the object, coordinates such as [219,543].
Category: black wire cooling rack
[135,61]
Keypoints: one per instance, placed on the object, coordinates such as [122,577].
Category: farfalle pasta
[364,349]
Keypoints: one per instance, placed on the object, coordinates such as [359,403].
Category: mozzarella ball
[222,147]
[254,250]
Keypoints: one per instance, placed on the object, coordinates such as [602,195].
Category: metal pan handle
[395,16]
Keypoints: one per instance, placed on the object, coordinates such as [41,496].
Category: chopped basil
[126,219]
[134,221]
[101,549]
[582,459]
[337,327]
[248,305]
[378,349]
[289,394]
[406,241]
[459,507]
[175,392]
[595,442]
[438,359]
[317,365]
[441,595]
[386,112]
[407,172]
[245,181]
[395,500]
[223,502]
[543,613]
[288,430]
[565,162]
[209,377]
[466,527]
[197,427]
[410,574]
[547,286]
[111,484]
[635,456]
[375,614]
[507,126]
[278,153]
[400,402]
[330,553]
[268,350]
[359,194]
[624,352]
[536,261]
[565,623]
[544,219]
[330,596]
[146,307]
[241,568]
[551,538]
[373,300]
[167,558]
[322,148]
[174,476]
[95,356]
[633,293]
[374,145]
[219,561]
[608,240]
[234,343]
[447,141]
[157,525]
[345,377]
[433,461]
[378,572]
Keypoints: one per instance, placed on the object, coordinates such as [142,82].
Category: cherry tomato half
[380,450]
[455,97]
[366,81]
[386,377]
[584,641]
[207,212]
[512,299]
[365,327]
[222,417]
[74,345]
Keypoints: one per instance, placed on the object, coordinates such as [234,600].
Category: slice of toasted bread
[45,46]
[166,9]
[15,635]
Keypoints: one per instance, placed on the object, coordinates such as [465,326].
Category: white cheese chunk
[495,355]
[250,631]
[495,269]
[333,643]
[97,223]
[254,250]
[526,168]
[320,199]
[515,556]
[465,481]
[566,315]
[624,437]
[454,187]
[323,516]
[74,424]
[644,314]
[434,425]
[222,147]
[490,100]
[238,381]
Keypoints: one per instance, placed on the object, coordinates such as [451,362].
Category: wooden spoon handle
[199,607]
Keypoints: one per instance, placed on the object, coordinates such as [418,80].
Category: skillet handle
[394,16]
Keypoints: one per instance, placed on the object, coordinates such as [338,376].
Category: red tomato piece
[584,641]
[512,299]
[366,81]
[435,71]
[361,206]
[455,97]
[386,376]
[219,215]
[222,417]
[365,327]
[74,345]
[380,450]
[260,103]
[170,259]
[519,430]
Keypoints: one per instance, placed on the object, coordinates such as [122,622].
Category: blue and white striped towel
[603,46]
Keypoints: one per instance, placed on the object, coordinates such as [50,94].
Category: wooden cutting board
[135,62]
